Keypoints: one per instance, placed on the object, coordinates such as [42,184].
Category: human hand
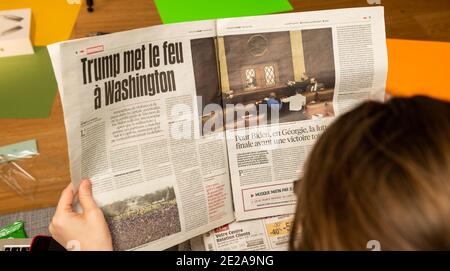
[88,229]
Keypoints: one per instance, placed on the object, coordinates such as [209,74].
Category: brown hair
[380,172]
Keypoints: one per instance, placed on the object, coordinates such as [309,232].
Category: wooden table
[417,19]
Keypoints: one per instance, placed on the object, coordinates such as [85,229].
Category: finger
[85,196]
[65,200]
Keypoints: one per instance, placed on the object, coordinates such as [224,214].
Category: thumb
[85,196]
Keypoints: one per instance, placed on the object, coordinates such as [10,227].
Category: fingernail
[84,185]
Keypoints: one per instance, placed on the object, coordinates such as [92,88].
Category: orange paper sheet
[52,20]
[419,68]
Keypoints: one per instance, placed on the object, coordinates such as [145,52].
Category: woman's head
[380,172]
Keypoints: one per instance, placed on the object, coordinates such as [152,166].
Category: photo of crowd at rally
[139,220]
[291,72]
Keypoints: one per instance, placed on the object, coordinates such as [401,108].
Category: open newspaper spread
[174,123]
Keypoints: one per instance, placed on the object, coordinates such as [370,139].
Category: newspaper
[124,97]
[289,75]
[267,234]
[173,123]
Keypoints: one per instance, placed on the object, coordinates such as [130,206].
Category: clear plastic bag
[13,173]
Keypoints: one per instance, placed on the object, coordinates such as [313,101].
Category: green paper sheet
[27,85]
[173,11]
